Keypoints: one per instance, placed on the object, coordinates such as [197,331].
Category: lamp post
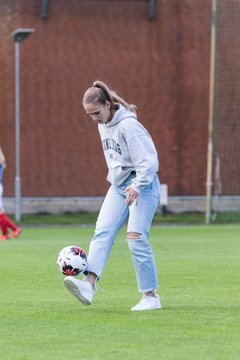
[18,36]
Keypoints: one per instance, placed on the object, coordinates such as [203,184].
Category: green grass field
[199,272]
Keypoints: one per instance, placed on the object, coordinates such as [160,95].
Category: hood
[121,114]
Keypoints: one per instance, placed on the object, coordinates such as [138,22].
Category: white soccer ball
[72,260]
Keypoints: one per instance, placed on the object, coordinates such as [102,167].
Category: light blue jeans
[113,214]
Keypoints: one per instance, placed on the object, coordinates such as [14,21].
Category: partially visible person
[5,222]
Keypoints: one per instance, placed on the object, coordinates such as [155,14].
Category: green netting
[226,114]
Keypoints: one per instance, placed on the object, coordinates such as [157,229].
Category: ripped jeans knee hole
[131,236]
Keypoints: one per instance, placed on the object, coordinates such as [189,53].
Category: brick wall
[162,66]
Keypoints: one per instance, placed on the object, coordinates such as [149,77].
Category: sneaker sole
[158,307]
[74,290]
[155,308]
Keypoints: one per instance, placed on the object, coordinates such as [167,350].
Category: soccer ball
[72,260]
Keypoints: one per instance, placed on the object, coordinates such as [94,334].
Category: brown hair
[99,93]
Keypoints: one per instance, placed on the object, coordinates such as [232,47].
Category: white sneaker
[148,303]
[82,290]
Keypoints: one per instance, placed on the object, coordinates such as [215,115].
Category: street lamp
[18,36]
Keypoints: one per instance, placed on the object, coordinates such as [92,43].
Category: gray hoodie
[128,147]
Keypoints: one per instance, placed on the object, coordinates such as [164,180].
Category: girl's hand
[132,195]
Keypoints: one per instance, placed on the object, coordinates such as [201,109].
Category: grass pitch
[199,273]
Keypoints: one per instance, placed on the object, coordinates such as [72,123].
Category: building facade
[161,65]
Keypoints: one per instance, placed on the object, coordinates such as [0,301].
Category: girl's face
[98,112]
